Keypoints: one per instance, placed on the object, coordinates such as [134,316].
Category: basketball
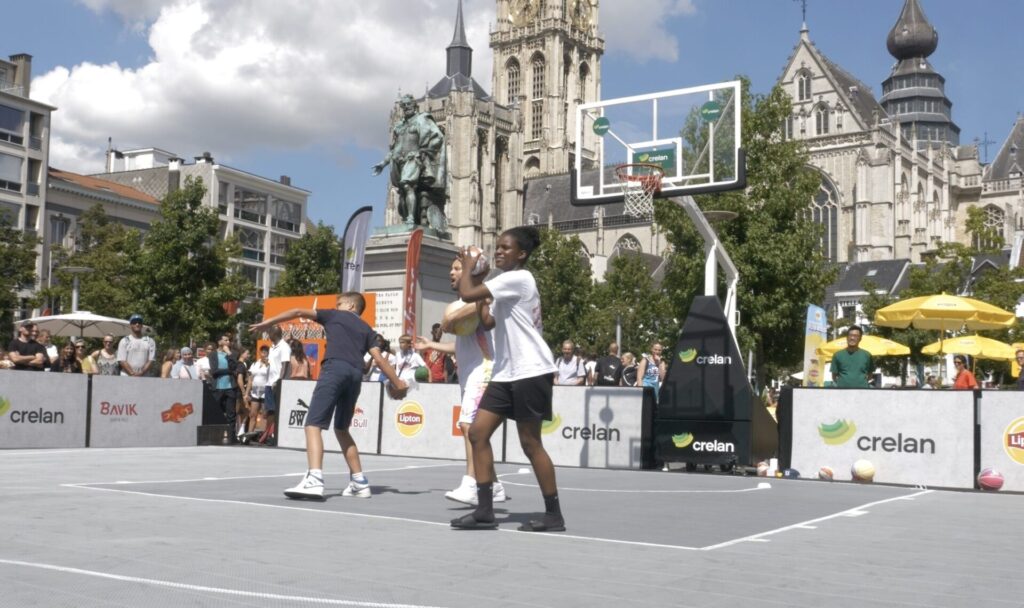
[462,327]
[422,374]
[826,473]
[863,470]
[762,469]
[990,480]
[482,266]
[392,391]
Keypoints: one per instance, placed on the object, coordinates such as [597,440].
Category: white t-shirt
[571,370]
[137,352]
[280,354]
[202,367]
[406,364]
[475,355]
[260,372]
[519,347]
[187,372]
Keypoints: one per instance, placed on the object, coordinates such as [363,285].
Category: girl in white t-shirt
[521,380]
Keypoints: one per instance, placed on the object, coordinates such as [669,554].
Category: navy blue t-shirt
[348,336]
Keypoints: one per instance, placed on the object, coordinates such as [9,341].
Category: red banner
[412,271]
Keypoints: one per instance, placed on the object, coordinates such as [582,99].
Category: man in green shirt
[852,367]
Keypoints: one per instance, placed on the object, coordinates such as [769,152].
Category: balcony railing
[285,225]
[249,216]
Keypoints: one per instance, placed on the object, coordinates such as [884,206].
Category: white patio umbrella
[83,324]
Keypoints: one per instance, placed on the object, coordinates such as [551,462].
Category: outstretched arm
[423,344]
[288,315]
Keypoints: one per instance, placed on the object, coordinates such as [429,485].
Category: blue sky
[304,88]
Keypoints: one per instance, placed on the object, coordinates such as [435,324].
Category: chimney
[174,173]
[205,158]
[115,161]
[287,181]
[22,71]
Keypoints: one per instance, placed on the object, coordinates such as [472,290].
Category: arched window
[538,65]
[995,220]
[821,118]
[902,202]
[803,86]
[825,211]
[532,167]
[512,76]
[627,242]
[537,94]
[581,94]
[787,127]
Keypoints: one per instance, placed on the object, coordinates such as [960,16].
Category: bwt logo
[297,418]
[691,355]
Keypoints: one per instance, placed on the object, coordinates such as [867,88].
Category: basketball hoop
[640,182]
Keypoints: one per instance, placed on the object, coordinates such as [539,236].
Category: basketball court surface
[210,526]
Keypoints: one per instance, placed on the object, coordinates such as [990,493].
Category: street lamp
[74,271]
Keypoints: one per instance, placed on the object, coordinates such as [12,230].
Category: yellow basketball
[466,326]
[863,471]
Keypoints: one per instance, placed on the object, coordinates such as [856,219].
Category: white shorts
[473,391]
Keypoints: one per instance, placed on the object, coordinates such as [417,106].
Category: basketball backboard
[693,134]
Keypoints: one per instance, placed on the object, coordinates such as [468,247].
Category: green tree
[111,250]
[18,270]
[562,273]
[312,265]
[773,240]
[630,295]
[184,275]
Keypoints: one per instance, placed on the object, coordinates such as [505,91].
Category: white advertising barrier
[1002,436]
[42,410]
[598,427]
[914,437]
[424,424]
[296,396]
[133,412]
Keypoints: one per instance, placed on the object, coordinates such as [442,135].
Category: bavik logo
[297,417]
[839,432]
[409,419]
[118,411]
[177,412]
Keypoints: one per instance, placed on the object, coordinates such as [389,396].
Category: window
[994,222]
[279,248]
[512,74]
[536,119]
[10,173]
[275,276]
[252,243]
[538,77]
[584,74]
[803,86]
[255,276]
[821,118]
[250,206]
[627,242]
[787,128]
[287,215]
[59,230]
[825,211]
[12,121]
[222,197]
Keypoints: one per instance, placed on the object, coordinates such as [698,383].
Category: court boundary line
[205,588]
[193,480]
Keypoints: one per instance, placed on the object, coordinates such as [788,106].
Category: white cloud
[638,29]
[233,75]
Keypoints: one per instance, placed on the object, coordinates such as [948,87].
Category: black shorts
[335,395]
[525,399]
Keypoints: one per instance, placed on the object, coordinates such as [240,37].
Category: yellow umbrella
[876,345]
[944,312]
[978,347]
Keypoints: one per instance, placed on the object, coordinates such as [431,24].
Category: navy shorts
[269,403]
[525,399]
[335,395]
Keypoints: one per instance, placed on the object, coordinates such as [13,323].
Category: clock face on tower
[521,12]
[582,13]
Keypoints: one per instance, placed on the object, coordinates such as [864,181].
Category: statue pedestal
[384,274]
[406,230]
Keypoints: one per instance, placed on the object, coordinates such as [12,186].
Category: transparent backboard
[693,134]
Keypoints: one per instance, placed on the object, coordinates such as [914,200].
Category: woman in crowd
[964,377]
[67,362]
[241,403]
[170,357]
[298,365]
[88,365]
[106,358]
[651,369]
[629,369]
[254,392]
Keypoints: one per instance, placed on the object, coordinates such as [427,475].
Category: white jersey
[519,347]
[280,354]
[474,355]
[259,371]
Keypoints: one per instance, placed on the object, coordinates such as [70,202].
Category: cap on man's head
[136,318]
[186,351]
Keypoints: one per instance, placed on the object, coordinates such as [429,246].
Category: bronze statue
[417,159]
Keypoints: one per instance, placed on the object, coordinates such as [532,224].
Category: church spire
[460,54]
[912,37]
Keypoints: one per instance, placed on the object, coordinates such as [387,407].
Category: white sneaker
[499,492]
[356,490]
[309,487]
[466,493]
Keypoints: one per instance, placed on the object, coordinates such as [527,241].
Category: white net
[639,183]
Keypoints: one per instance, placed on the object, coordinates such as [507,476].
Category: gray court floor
[210,527]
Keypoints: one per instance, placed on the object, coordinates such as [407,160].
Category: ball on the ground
[990,480]
[826,473]
[863,470]
[465,326]
[481,266]
[422,374]
[762,469]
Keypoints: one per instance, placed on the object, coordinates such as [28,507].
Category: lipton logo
[177,412]
[682,440]
[5,405]
[409,419]
[550,426]
[1014,444]
[838,432]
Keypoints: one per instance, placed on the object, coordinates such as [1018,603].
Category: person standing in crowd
[222,364]
[349,338]
[436,360]
[964,377]
[521,384]
[852,367]
[408,359]
[25,352]
[651,369]
[45,339]
[136,352]
[475,356]
[203,361]
[629,369]
[106,358]
[298,363]
[67,362]
[5,361]
[88,365]
[608,369]
[280,354]
[170,358]
[187,368]
[254,391]
[1019,355]
[241,394]
[373,371]
[570,367]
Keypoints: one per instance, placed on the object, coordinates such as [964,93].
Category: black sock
[485,501]
[551,505]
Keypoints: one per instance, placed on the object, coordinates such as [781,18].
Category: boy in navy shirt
[349,338]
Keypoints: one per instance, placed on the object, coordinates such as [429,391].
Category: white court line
[854,512]
[562,488]
[158,481]
[205,589]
